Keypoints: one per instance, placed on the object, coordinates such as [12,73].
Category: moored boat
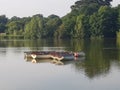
[57,55]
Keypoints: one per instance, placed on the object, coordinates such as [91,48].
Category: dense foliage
[87,19]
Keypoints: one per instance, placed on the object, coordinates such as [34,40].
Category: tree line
[87,19]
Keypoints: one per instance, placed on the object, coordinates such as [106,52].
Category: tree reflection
[118,46]
[95,63]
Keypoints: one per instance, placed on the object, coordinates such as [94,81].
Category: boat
[38,54]
[55,55]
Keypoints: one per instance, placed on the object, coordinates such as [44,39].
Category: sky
[25,8]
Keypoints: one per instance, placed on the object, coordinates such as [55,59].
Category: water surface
[99,70]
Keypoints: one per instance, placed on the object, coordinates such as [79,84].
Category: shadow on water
[101,54]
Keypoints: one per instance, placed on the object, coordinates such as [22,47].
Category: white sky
[25,8]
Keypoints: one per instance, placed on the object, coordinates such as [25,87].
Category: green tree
[65,30]
[88,7]
[119,17]
[15,25]
[60,32]
[34,29]
[15,18]
[82,27]
[104,22]
[95,26]
[88,18]
[108,21]
[14,28]
[79,29]
[3,21]
[51,25]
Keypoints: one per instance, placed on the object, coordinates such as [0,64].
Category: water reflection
[100,53]
[95,64]
[63,62]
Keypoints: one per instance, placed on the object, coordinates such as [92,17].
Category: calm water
[99,70]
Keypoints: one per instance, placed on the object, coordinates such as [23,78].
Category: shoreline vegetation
[11,37]
[87,19]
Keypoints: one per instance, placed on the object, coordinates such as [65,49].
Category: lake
[98,70]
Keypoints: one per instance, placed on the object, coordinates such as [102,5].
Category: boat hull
[52,55]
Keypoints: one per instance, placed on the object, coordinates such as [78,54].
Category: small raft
[55,55]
